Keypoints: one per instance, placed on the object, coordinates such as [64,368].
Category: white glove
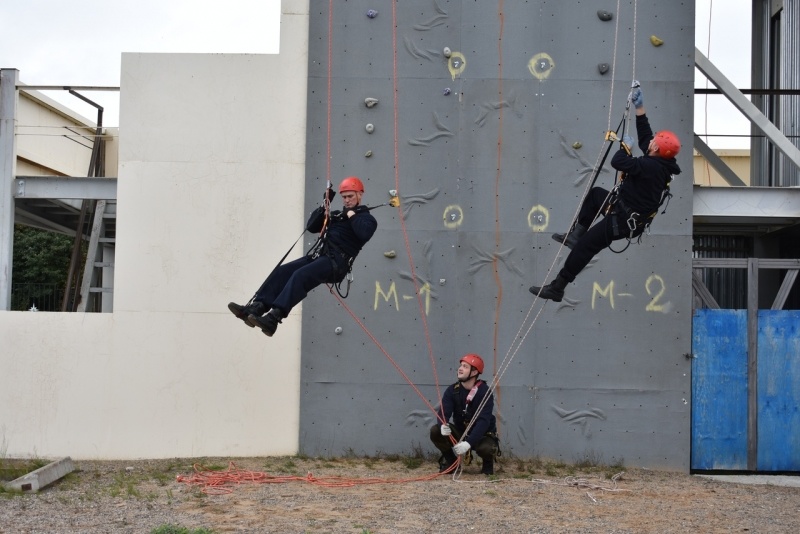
[461,448]
[637,98]
[446,430]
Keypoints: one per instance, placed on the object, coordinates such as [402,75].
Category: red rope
[222,482]
[421,306]
[497,234]
[388,356]
[330,76]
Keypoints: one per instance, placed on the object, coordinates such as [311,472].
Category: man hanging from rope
[343,234]
[628,209]
[462,401]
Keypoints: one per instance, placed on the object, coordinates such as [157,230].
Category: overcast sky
[80,42]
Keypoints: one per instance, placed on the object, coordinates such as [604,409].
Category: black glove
[330,193]
[358,209]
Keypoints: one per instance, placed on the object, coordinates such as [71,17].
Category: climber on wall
[343,234]
[628,209]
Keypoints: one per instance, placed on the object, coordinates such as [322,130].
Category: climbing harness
[342,262]
[637,223]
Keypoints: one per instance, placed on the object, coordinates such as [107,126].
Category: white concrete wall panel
[211,177]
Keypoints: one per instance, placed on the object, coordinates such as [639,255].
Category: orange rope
[423,316]
[330,76]
[222,482]
[497,234]
[405,232]
[388,356]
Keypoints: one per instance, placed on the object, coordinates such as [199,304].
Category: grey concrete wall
[486,174]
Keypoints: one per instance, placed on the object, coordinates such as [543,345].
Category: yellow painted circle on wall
[541,65]
[538,218]
[456,64]
[453,216]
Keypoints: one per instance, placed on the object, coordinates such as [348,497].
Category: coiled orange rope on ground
[222,482]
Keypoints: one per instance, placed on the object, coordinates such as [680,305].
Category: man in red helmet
[628,209]
[462,401]
[344,234]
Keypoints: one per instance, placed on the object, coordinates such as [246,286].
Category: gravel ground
[393,495]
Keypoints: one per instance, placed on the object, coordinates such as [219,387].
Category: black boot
[446,460]
[268,323]
[572,237]
[241,312]
[488,466]
[553,291]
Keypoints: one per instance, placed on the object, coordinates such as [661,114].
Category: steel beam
[746,203]
[66,187]
[8,169]
[744,105]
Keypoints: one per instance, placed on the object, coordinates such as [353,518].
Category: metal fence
[36,297]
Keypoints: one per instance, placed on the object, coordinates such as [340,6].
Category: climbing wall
[488,119]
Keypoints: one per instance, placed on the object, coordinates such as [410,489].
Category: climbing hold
[604,15]
[392,192]
[447,52]
[446,91]
[370,128]
[368,154]
[390,254]
[656,41]
[442,281]
[371,102]
[602,67]
[338,330]
[576,145]
[371,13]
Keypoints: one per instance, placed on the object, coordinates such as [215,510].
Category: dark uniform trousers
[597,237]
[290,283]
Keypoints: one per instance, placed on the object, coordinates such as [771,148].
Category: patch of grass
[412,462]
[288,466]
[12,469]
[69,481]
[589,460]
[9,493]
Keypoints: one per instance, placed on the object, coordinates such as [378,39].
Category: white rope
[519,338]
[583,483]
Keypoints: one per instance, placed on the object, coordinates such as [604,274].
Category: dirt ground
[403,494]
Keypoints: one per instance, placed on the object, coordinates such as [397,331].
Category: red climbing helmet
[351,183]
[474,360]
[668,144]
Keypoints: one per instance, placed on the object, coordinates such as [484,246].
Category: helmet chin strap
[469,377]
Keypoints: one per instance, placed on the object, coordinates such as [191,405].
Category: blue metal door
[719,390]
[778,390]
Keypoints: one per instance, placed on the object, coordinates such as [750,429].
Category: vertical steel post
[8,170]
[752,364]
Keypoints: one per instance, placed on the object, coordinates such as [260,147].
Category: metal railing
[36,297]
